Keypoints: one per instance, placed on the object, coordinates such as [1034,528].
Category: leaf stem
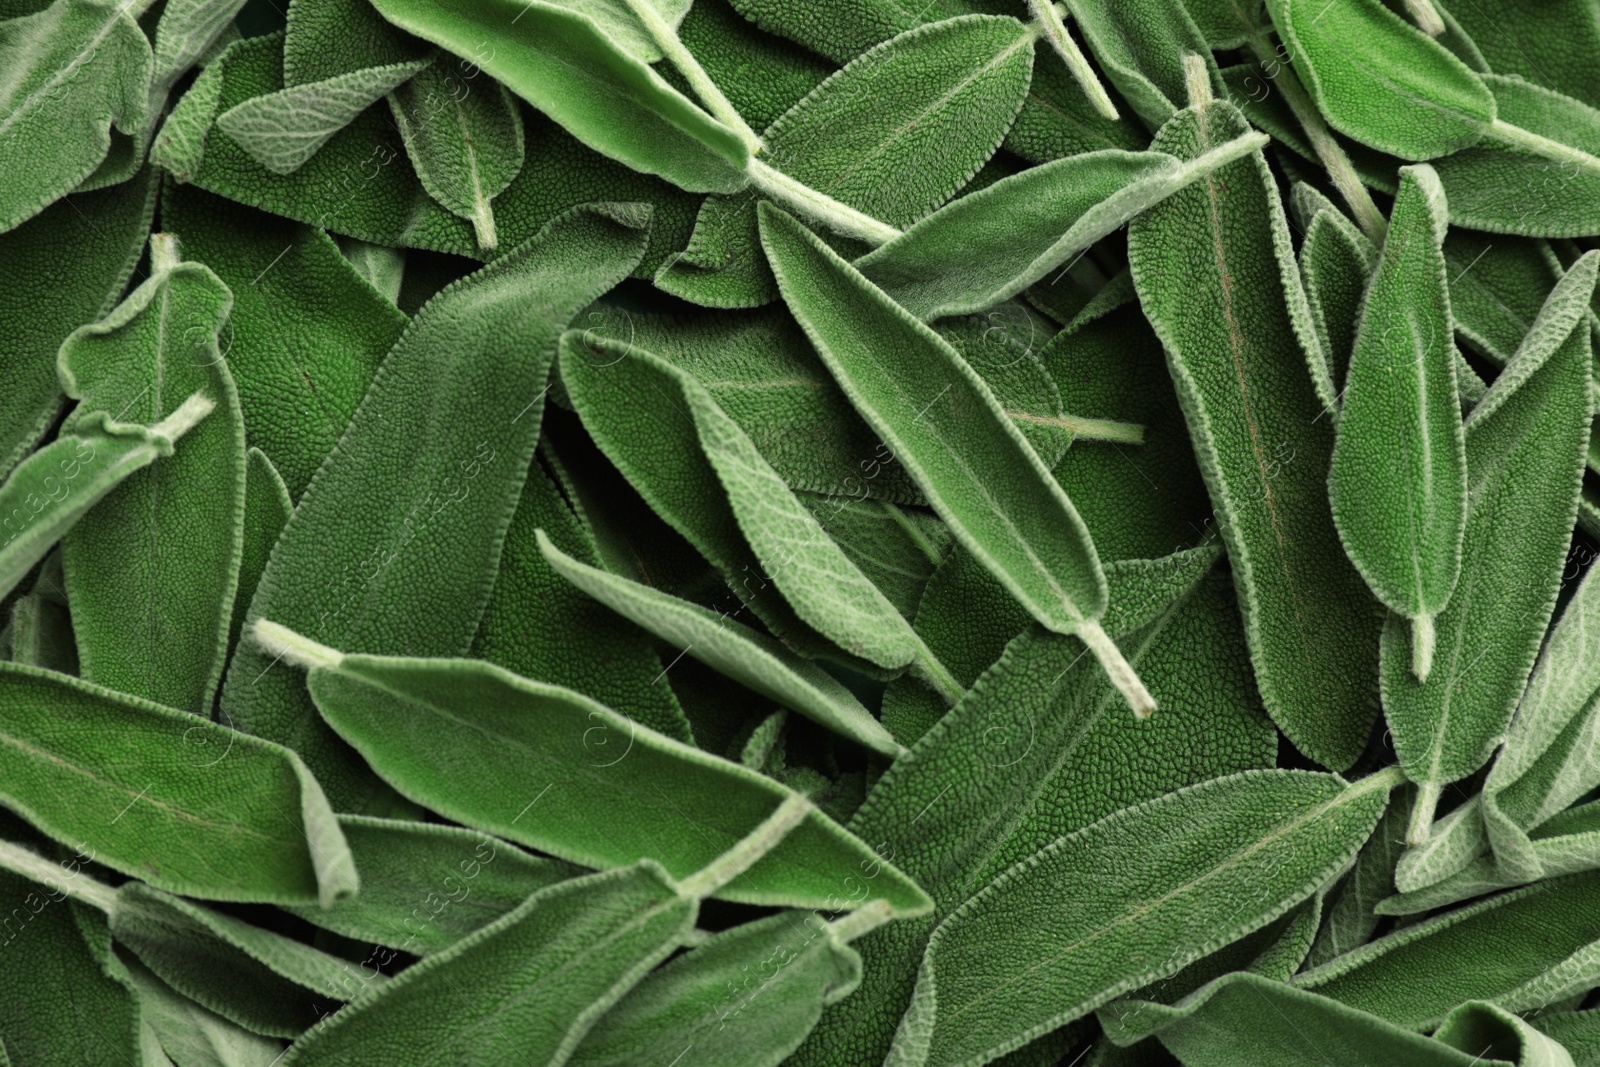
[819,207]
[183,420]
[36,868]
[672,47]
[164,254]
[1117,668]
[750,848]
[1422,813]
[1517,137]
[1048,19]
[1127,433]
[284,643]
[1426,16]
[928,667]
[1334,159]
[483,222]
[1422,646]
[862,921]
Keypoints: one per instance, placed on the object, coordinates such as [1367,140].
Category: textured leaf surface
[1215,277]
[202,810]
[395,545]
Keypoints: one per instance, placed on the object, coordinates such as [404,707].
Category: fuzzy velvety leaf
[193,1035]
[1126,900]
[892,135]
[326,38]
[73,71]
[1403,527]
[267,508]
[1336,261]
[1140,45]
[395,545]
[1350,919]
[1548,44]
[897,547]
[151,570]
[1218,282]
[564,64]
[45,295]
[162,795]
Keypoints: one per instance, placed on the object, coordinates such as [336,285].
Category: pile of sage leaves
[833,533]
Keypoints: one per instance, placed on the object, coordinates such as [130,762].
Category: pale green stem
[1127,433]
[1386,779]
[1048,19]
[1340,170]
[183,420]
[283,643]
[135,9]
[910,529]
[1422,813]
[819,207]
[1422,646]
[1196,80]
[1426,16]
[1517,137]
[666,39]
[1117,668]
[928,667]
[483,222]
[742,856]
[164,254]
[36,868]
[862,921]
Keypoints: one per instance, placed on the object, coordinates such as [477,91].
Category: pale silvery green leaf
[43,298]
[1381,81]
[562,63]
[525,988]
[1452,844]
[383,268]
[1022,759]
[162,795]
[738,651]
[720,1003]
[897,547]
[1525,449]
[1578,1032]
[944,425]
[1512,188]
[282,130]
[892,136]
[464,139]
[994,243]
[395,545]
[152,569]
[1517,951]
[621,22]
[1403,527]
[1218,282]
[1127,900]
[261,980]
[56,486]
[425,886]
[187,31]
[1246,1018]
[475,714]
[618,390]
[73,71]
[1350,918]
[196,1036]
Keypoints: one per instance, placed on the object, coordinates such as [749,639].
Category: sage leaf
[510,720]
[1352,916]
[1244,849]
[466,145]
[896,547]
[395,545]
[1381,81]
[992,244]
[1561,30]
[282,130]
[193,1035]
[623,24]
[1541,940]
[262,981]
[743,492]
[1216,279]
[979,473]
[267,508]
[425,886]
[1336,261]
[710,1001]
[1494,307]
[305,336]
[41,634]
[548,968]
[563,63]
[1525,445]
[203,810]
[1575,1030]
[1224,1023]
[52,982]
[326,38]
[164,547]
[1558,196]
[57,485]
[383,268]
[740,652]
[927,107]
[43,300]
[75,70]
[1403,529]
[1141,45]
